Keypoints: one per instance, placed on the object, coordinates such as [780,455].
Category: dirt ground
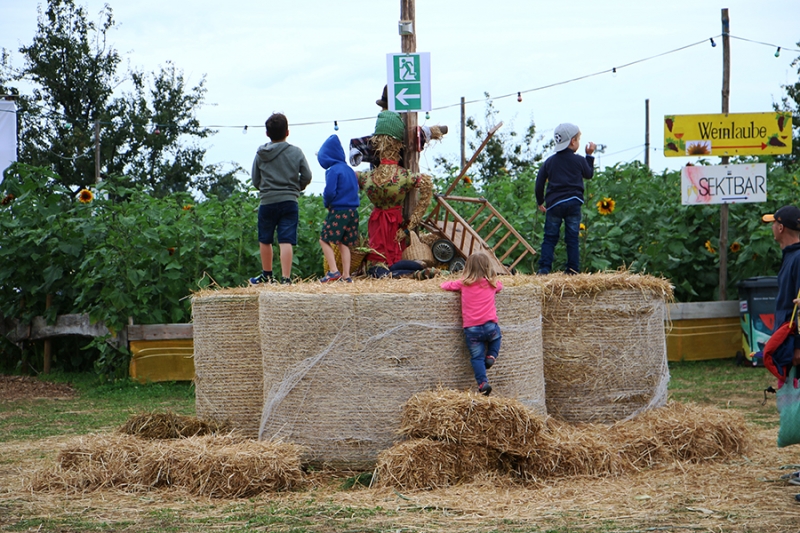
[13,388]
[744,495]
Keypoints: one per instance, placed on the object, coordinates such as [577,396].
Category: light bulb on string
[427,115]
[519,97]
[713,44]
[778,52]
[614,71]
[244,130]
[335,125]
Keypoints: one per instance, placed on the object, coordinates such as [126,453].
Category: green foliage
[126,254]
[149,135]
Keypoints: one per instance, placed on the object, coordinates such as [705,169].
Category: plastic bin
[757,315]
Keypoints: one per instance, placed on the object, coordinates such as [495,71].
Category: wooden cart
[484,230]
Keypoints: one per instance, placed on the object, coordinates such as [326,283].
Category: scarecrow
[387,186]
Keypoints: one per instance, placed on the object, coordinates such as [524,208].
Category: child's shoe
[484,388]
[331,276]
[286,281]
[346,280]
[490,359]
[258,279]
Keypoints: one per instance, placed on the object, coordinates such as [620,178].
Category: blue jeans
[482,341]
[570,213]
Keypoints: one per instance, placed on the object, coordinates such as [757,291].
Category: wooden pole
[48,357]
[647,132]
[723,212]
[96,151]
[463,133]
[411,157]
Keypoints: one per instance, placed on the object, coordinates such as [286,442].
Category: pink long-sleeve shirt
[477,301]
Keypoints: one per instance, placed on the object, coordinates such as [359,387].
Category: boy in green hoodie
[280,173]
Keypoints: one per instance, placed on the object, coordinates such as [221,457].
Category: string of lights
[518,94]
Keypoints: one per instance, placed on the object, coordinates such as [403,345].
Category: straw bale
[471,419]
[604,345]
[213,466]
[169,425]
[339,363]
[430,464]
[227,358]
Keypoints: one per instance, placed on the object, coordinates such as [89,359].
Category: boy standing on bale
[564,173]
[340,198]
[280,173]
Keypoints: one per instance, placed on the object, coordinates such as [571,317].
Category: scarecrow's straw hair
[216,467]
[676,432]
[502,424]
[169,425]
[604,345]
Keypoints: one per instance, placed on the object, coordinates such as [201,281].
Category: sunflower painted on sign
[606,206]
[85,196]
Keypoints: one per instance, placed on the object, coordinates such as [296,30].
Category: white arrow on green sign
[409,82]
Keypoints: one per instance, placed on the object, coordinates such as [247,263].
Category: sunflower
[606,206]
[709,247]
[188,207]
[581,229]
[736,247]
[85,196]
[8,199]
[468,180]
[171,250]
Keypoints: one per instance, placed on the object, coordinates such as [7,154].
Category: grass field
[742,495]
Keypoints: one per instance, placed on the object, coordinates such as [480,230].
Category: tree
[791,102]
[147,136]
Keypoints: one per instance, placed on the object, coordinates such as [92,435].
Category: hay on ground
[430,464]
[503,424]
[553,448]
[169,425]
[212,466]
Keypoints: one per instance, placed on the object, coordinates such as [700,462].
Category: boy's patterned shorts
[341,226]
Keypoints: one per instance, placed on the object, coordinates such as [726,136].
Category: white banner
[724,184]
[8,134]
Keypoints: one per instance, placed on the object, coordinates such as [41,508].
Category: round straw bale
[604,344]
[227,359]
[430,464]
[340,363]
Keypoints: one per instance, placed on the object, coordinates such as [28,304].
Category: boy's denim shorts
[282,215]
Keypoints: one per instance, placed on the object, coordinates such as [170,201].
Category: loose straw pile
[457,436]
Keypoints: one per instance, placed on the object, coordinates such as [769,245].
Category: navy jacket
[788,285]
[341,183]
[564,173]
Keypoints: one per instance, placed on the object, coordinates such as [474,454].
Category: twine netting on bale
[339,362]
[215,467]
[604,343]
[551,448]
[227,358]
[169,425]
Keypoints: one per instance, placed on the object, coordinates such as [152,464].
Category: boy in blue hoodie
[280,173]
[341,199]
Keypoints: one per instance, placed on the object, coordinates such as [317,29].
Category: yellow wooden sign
[731,134]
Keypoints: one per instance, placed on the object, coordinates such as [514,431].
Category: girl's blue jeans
[482,341]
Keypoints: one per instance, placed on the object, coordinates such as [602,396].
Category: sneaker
[346,280]
[797,497]
[484,388]
[258,279]
[331,276]
[794,478]
[286,281]
[490,359]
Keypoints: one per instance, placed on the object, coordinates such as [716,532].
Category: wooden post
[723,212]
[48,357]
[97,151]
[411,156]
[647,132]
[463,133]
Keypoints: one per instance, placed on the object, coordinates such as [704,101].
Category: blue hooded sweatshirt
[341,183]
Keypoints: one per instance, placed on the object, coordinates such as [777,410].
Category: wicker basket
[356,258]
[417,251]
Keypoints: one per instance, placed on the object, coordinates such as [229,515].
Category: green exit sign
[409,82]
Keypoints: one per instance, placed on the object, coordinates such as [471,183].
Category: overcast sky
[321,61]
